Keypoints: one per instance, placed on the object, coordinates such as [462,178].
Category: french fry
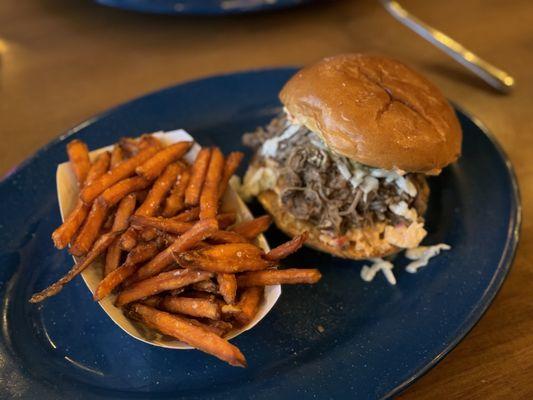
[232,163]
[90,229]
[197,178]
[284,250]
[163,224]
[78,155]
[121,171]
[115,193]
[197,233]
[226,219]
[149,140]
[209,196]
[224,258]
[99,247]
[117,156]
[152,301]
[142,252]
[221,328]
[141,195]
[205,286]
[160,283]
[154,166]
[98,168]
[278,277]
[227,284]
[159,190]
[129,146]
[192,334]
[251,229]
[172,225]
[175,202]
[132,147]
[139,254]
[148,234]
[188,215]
[222,237]
[249,304]
[124,210]
[128,240]
[201,308]
[63,235]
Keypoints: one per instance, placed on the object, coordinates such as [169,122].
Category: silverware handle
[494,76]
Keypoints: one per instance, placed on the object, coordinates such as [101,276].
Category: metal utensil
[495,77]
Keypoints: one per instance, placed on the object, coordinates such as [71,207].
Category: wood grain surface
[63,61]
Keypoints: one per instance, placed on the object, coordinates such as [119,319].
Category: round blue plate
[202,7]
[376,338]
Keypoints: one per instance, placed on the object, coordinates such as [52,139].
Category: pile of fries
[176,264]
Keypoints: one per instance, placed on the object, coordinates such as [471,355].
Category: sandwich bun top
[376,111]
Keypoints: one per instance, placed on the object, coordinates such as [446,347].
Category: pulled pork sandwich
[347,159]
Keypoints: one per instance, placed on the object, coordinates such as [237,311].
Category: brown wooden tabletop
[62,61]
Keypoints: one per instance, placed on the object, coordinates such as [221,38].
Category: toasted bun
[368,245]
[376,111]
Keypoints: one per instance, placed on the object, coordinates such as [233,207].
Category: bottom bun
[363,243]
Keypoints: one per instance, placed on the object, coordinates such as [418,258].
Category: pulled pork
[318,186]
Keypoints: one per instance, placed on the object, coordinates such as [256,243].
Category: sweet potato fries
[171,260]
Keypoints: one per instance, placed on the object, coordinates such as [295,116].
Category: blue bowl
[376,339]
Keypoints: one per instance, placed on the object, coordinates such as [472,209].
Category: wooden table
[63,61]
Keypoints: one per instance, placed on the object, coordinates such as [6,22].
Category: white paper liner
[67,193]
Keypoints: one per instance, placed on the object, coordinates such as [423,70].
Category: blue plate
[376,338]
[202,7]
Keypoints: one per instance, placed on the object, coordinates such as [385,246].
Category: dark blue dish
[202,7]
[376,339]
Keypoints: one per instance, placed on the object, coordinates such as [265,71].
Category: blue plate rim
[201,11]
[502,271]
[492,289]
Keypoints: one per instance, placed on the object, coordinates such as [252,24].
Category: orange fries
[121,171]
[115,193]
[98,168]
[197,233]
[163,224]
[99,247]
[78,154]
[138,255]
[128,240]
[90,229]
[225,258]
[227,286]
[287,248]
[63,235]
[158,191]
[117,155]
[249,304]
[153,167]
[232,163]
[209,197]
[196,181]
[251,229]
[201,308]
[122,215]
[278,277]
[175,202]
[188,215]
[171,259]
[192,334]
[227,237]
[160,283]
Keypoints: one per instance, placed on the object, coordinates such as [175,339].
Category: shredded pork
[333,192]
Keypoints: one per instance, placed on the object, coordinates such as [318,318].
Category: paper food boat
[67,192]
